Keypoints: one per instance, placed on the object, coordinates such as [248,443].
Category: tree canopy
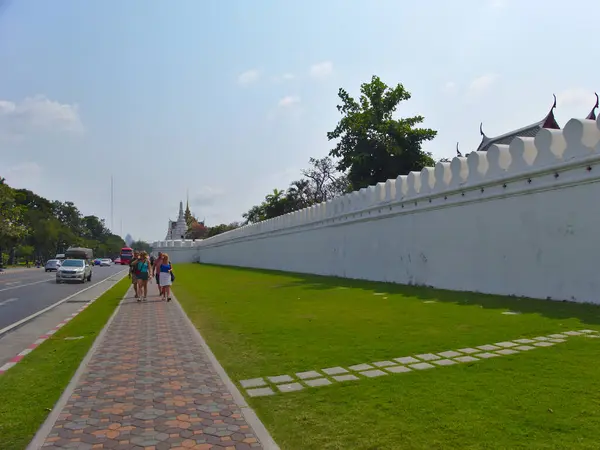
[374,146]
[32,227]
[321,182]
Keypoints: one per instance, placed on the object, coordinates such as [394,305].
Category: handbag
[172,276]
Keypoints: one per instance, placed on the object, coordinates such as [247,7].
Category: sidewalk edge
[259,428]
[40,436]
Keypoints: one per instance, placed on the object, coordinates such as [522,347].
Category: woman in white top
[165,277]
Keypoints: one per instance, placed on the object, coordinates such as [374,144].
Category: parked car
[52,265]
[74,270]
[97,261]
[117,261]
[106,262]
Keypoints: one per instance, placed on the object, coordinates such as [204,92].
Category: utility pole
[112,204]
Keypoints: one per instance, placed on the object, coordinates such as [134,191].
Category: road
[23,293]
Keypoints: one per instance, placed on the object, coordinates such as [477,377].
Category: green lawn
[29,390]
[261,323]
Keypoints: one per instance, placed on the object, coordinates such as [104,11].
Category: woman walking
[165,275]
[143,269]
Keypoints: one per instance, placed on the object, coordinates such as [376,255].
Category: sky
[228,100]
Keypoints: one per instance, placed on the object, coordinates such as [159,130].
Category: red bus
[126,255]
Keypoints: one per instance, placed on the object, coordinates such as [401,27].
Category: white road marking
[23,285]
[60,302]
[7,301]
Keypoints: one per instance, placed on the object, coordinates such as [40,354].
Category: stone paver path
[150,385]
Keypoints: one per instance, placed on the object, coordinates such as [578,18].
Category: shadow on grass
[585,312]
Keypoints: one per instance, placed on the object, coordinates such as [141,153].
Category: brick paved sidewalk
[151,385]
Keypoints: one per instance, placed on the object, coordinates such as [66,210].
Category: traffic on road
[26,292]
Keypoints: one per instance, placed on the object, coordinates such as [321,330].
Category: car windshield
[52,261]
[73,263]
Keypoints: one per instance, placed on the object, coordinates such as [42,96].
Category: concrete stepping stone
[348,377]
[544,344]
[444,362]
[427,357]
[541,338]
[487,355]
[359,367]
[318,382]
[450,354]
[465,359]
[309,374]
[280,379]
[572,333]
[398,369]
[334,370]
[507,351]
[557,341]
[430,301]
[524,341]
[373,373]
[524,347]
[557,336]
[488,347]
[260,392]
[511,313]
[595,336]
[506,344]
[587,331]
[290,387]
[421,366]
[406,360]
[384,363]
[468,350]
[253,382]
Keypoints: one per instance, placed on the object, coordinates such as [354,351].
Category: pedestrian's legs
[168,293]
[134,281]
[145,287]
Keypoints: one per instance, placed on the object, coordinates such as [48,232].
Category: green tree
[373,146]
[141,246]
[13,227]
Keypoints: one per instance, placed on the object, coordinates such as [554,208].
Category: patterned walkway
[150,385]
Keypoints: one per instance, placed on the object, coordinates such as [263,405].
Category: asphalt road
[23,293]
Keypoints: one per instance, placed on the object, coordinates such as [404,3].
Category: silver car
[74,270]
[52,264]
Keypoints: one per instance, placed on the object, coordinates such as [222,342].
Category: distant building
[527,131]
[177,229]
[128,240]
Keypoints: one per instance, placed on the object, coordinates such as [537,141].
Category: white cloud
[283,78]
[577,98]
[450,87]
[24,175]
[248,77]
[38,114]
[289,101]
[481,84]
[321,70]
[498,4]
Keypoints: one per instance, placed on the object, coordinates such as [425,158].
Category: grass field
[261,323]
[29,390]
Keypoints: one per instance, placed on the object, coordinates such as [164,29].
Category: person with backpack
[143,267]
[133,273]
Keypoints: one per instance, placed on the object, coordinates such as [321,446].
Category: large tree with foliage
[373,146]
[33,227]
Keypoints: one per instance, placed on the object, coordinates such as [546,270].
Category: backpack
[152,260]
[142,267]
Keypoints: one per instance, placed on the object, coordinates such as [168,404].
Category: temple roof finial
[481,129]
[592,114]
[458,153]
[554,104]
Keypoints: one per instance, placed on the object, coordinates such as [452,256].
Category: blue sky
[229,99]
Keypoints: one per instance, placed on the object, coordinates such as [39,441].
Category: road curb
[38,440]
[22,322]
[249,414]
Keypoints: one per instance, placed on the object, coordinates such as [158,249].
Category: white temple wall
[522,220]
